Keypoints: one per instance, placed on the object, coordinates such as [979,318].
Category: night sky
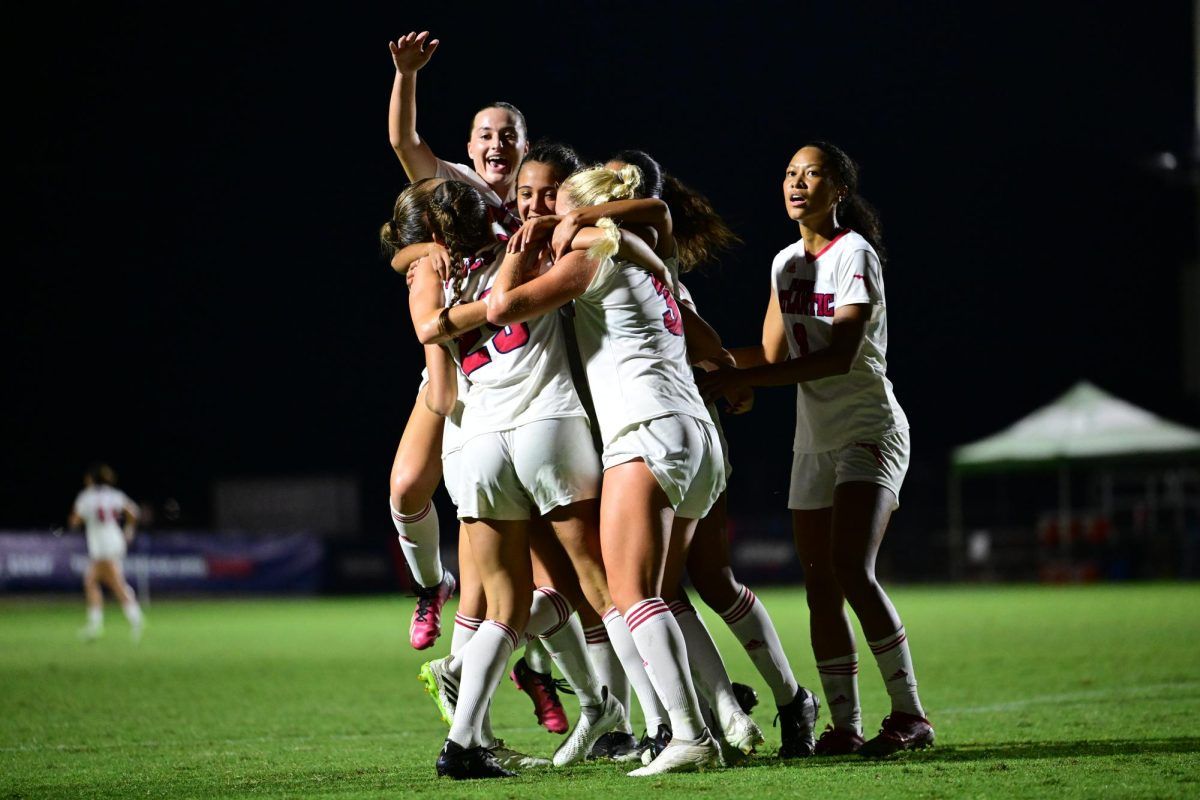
[195,193]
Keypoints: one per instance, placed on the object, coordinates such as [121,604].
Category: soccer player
[497,141]
[110,518]
[662,459]
[826,332]
[527,449]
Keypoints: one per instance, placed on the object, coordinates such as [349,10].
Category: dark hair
[101,474]
[459,215]
[699,231]
[510,108]
[560,157]
[652,173]
[853,211]
[410,222]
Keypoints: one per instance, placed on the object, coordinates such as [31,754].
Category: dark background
[196,291]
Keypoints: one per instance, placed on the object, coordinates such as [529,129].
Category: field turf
[1034,691]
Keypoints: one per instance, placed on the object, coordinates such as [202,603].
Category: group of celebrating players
[586,459]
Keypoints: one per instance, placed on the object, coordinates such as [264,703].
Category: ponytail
[853,211]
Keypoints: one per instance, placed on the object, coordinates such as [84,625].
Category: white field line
[204,745]
[1072,697]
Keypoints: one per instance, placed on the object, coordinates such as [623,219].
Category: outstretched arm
[650,211]
[774,342]
[409,54]
[849,328]
[514,299]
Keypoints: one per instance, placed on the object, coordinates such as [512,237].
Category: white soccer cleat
[514,759]
[682,755]
[742,733]
[441,685]
[577,746]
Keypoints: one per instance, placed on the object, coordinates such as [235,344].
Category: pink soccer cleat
[426,624]
[543,691]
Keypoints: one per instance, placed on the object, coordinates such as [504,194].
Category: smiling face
[537,190]
[496,146]
[810,189]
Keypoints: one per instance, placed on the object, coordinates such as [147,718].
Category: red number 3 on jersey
[671,318]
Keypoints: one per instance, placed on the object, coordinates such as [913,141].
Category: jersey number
[671,318]
[800,334]
[506,340]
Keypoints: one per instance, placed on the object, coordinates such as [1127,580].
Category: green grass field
[1035,692]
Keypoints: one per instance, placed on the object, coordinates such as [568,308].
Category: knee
[855,578]
[717,588]
[822,592]
[408,492]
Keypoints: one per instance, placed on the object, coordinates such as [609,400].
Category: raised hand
[412,51]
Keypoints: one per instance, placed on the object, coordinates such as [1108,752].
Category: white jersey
[631,339]
[101,508]
[501,211]
[515,374]
[835,411]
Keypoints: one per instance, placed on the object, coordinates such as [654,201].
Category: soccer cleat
[742,733]
[746,696]
[90,633]
[653,747]
[797,720]
[900,731]
[514,759]
[426,624]
[461,763]
[682,755]
[838,742]
[586,733]
[543,691]
[616,746]
[441,685]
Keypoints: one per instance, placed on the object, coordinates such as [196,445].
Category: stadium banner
[186,561]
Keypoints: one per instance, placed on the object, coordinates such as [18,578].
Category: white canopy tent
[1085,424]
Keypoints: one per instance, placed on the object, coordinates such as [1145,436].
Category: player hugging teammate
[561,410]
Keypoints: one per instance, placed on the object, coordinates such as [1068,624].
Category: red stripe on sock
[560,603]
[644,612]
[467,622]
[851,670]
[595,634]
[883,648]
[417,517]
[508,632]
[680,607]
[741,608]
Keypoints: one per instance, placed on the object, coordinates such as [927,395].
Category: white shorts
[106,544]
[540,465]
[684,455]
[883,460]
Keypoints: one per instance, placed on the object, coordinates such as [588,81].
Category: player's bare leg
[638,531]
[95,604]
[861,512]
[112,575]
[416,472]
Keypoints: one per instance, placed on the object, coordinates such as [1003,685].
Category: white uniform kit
[631,337]
[101,508]
[848,427]
[526,441]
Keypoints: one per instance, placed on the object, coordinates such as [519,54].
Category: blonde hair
[596,185]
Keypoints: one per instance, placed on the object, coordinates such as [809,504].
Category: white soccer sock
[536,656]
[653,711]
[95,617]
[420,539]
[133,613]
[659,640]
[707,668]
[839,679]
[752,626]
[567,647]
[548,612]
[608,669]
[895,665]
[483,662]
[464,629]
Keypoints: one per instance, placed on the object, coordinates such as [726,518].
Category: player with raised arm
[826,332]
[110,520]
[497,141]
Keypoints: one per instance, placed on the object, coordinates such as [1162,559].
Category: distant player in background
[110,518]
